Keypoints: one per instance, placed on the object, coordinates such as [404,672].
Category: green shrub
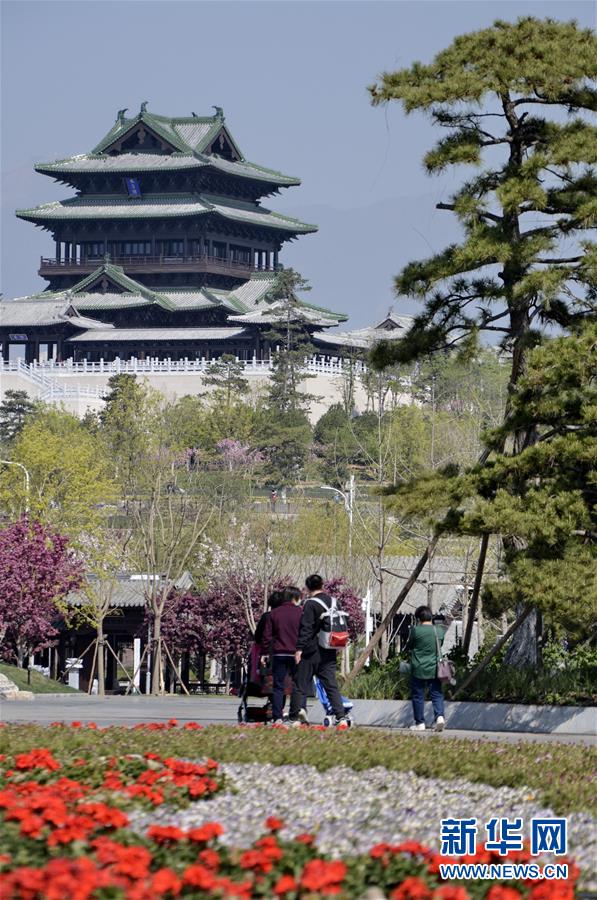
[568,677]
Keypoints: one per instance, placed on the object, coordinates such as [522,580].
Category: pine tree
[532,199]
[226,376]
[288,431]
[514,99]
[15,409]
[544,497]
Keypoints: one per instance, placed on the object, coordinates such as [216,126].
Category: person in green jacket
[423,645]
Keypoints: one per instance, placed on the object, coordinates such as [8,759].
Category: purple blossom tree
[212,621]
[238,457]
[37,569]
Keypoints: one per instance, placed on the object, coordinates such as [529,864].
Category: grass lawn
[39,683]
[558,775]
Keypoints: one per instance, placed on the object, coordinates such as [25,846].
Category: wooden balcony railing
[145,264]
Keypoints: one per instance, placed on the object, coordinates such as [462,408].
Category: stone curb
[467,716]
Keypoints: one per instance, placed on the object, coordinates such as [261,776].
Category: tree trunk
[525,611]
[157,687]
[474,602]
[101,669]
[525,652]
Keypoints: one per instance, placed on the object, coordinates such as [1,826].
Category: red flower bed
[66,836]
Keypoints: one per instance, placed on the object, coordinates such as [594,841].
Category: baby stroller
[256,681]
[329,718]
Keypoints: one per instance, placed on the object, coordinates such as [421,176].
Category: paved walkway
[129,711]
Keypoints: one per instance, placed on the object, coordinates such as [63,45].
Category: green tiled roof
[159,206]
[184,133]
[253,291]
[153,162]
[341,317]
[110,300]
[53,309]
[159,334]
[267,313]
[117,276]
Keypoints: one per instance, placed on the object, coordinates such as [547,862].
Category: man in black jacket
[312,659]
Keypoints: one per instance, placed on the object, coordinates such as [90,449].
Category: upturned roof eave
[43,215]
[62,168]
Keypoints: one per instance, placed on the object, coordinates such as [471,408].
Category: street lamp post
[348,506]
[11,462]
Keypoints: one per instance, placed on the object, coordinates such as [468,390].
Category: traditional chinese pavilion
[166,250]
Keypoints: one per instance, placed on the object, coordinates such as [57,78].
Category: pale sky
[291,77]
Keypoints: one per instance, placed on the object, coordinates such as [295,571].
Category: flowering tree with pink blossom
[37,569]
[236,456]
[212,621]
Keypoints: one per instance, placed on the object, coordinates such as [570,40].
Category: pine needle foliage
[515,100]
[541,500]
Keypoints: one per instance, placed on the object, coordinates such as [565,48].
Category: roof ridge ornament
[219,112]
[120,115]
[143,108]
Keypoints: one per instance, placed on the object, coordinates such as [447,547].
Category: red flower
[75,724]
[31,826]
[209,858]
[412,888]
[165,834]
[165,881]
[257,860]
[284,885]
[501,892]
[192,726]
[104,815]
[319,874]
[172,723]
[273,824]
[199,877]
[36,759]
[305,839]
[242,890]
[205,832]
[380,851]
[133,862]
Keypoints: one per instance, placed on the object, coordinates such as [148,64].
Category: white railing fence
[41,372]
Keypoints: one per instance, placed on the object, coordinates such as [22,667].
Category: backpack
[333,628]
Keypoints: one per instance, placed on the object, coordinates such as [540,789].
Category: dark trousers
[323,664]
[281,667]
[418,686]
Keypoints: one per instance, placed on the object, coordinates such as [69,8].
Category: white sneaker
[420,726]
[279,722]
[303,717]
[440,723]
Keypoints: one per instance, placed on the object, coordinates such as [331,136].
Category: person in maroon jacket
[279,641]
